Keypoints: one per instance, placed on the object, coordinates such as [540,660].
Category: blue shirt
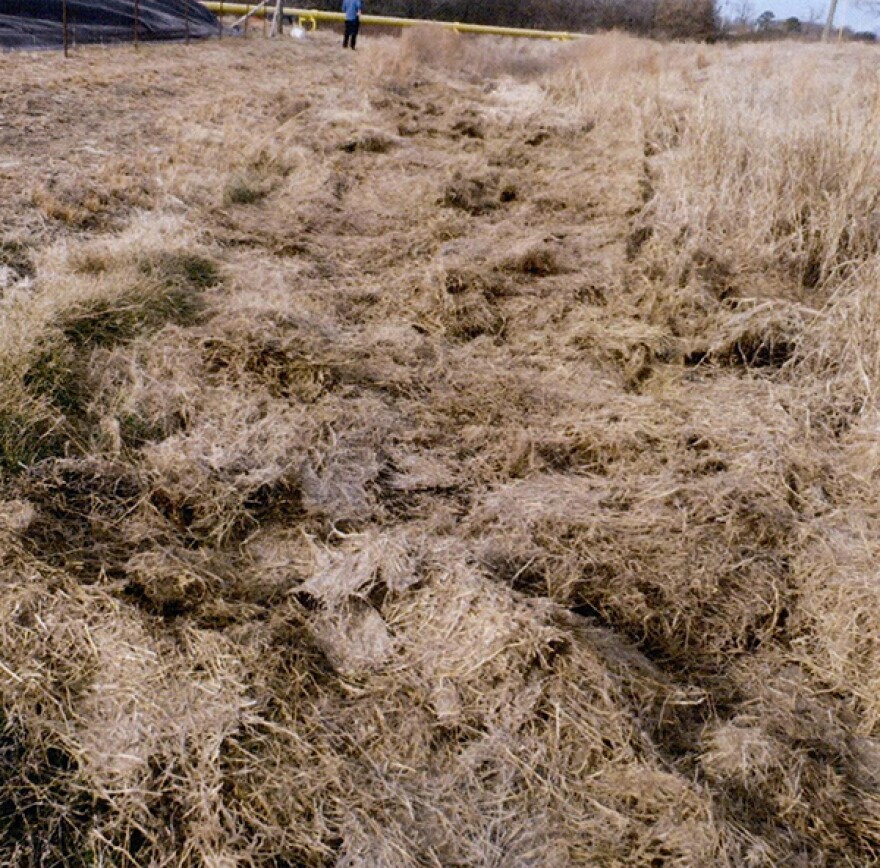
[352,9]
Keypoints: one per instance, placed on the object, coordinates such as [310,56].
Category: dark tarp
[34,24]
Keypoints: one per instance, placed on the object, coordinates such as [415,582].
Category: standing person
[352,10]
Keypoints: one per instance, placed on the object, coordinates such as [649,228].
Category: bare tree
[742,12]
[814,14]
[677,19]
[872,7]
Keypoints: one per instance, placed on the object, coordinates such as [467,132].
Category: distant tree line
[743,25]
[673,19]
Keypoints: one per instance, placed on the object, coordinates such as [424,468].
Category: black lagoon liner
[35,24]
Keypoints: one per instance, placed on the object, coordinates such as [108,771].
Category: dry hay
[476,466]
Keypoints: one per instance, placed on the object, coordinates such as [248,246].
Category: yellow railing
[311,17]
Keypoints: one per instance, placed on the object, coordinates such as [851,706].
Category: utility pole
[829,24]
[843,18]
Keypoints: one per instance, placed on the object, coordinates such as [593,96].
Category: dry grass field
[453,453]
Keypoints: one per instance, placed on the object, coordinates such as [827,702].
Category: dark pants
[351,32]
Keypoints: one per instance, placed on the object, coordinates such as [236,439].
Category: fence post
[277,26]
[137,23]
[64,25]
[186,18]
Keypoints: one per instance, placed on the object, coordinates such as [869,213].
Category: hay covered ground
[448,454]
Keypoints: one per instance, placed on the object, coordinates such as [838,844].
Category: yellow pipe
[313,16]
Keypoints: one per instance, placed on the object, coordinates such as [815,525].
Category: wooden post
[137,23]
[186,18]
[64,26]
[277,28]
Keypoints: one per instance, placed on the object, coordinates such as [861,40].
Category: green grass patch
[57,377]
[45,393]
[181,270]
[26,438]
[107,321]
[244,190]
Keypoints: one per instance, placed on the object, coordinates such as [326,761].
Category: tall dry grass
[473,466]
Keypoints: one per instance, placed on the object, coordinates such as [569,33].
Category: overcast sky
[847,13]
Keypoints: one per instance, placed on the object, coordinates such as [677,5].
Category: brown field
[457,453]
